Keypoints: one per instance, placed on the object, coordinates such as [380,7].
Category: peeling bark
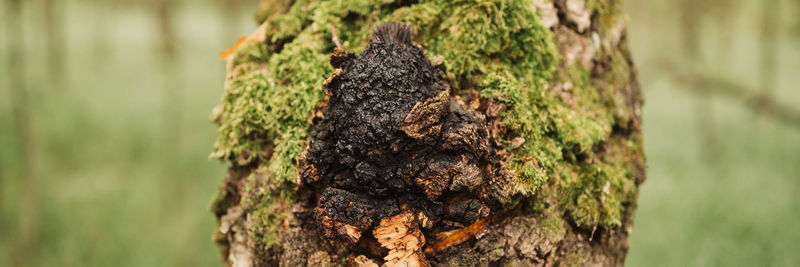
[401,236]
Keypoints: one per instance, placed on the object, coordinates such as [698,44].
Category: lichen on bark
[558,104]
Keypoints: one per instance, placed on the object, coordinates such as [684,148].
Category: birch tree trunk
[452,133]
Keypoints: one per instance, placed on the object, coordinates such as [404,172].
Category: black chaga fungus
[392,139]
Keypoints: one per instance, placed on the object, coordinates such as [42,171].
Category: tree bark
[468,133]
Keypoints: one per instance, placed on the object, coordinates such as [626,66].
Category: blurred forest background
[104,137]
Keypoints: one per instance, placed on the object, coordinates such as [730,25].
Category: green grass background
[123,177]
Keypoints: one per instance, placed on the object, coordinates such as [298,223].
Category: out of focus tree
[770,16]
[54,39]
[692,14]
[100,32]
[723,12]
[173,92]
[165,10]
[761,99]
[23,124]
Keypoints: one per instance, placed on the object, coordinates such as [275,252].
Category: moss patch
[265,223]
[605,11]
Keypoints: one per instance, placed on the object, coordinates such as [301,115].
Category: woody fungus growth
[394,155]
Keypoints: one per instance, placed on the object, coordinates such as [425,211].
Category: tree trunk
[461,133]
[173,90]
[54,38]
[23,118]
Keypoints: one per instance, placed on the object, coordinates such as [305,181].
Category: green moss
[552,225]
[266,222]
[267,8]
[594,193]
[270,105]
[563,129]
[480,38]
[525,118]
[268,207]
[606,11]
[618,76]
[251,52]
[594,187]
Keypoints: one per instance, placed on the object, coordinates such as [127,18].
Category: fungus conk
[393,140]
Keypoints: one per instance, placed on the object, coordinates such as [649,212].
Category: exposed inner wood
[401,235]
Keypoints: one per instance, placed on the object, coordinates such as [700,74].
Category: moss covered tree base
[489,132]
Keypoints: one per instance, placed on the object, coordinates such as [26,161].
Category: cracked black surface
[370,158]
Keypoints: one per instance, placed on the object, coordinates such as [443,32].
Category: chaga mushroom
[393,142]
[424,118]
[346,214]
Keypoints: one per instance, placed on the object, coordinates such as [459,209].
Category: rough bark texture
[467,133]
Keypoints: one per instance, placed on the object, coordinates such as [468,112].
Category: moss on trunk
[553,80]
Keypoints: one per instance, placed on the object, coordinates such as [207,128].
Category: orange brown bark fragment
[224,54]
[401,235]
[455,237]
